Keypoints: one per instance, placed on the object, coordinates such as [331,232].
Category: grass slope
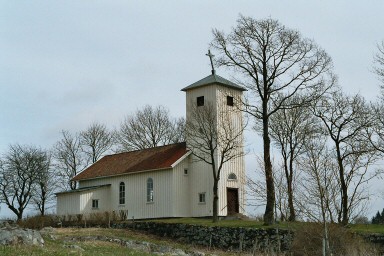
[60,246]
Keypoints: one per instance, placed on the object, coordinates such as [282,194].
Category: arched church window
[232,176]
[149,190]
[122,193]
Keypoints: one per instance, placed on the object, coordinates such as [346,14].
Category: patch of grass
[123,234]
[367,228]
[58,248]
[105,248]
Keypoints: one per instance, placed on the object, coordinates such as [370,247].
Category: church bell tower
[222,96]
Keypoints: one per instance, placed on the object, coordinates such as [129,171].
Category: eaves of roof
[122,174]
[83,189]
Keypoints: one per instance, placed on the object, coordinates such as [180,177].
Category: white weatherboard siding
[68,203]
[101,194]
[202,179]
[237,165]
[181,189]
[201,175]
[80,202]
[136,193]
[209,93]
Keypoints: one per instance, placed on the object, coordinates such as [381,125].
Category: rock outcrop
[14,235]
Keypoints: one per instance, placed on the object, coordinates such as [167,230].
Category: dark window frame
[202,198]
[150,190]
[95,203]
[200,101]
[122,193]
[230,101]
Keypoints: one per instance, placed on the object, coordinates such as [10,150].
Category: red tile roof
[134,161]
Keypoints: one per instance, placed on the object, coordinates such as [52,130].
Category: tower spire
[210,55]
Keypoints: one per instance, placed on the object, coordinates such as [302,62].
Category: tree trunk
[269,208]
[215,217]
[19,215]
[289,174]
[18,212]
[344,189]
[43,205]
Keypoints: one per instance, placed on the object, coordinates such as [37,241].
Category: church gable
[135,161]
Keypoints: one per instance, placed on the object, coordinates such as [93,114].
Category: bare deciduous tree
[318,194]
[45,186]
[319,188]
[276,63]
[376,133]
[256,189]
[19,172]
[346,120]
[150,127]
[95,141]
[379,64]
[69,158]
[214,139]
[290,128]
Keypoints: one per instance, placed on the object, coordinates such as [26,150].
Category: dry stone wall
[234,239]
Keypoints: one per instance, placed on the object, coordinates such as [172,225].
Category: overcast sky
[65,64]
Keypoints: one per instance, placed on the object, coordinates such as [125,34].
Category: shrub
[361,220]
[308,240]
[39,222]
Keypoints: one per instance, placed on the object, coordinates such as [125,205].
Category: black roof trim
[83,189]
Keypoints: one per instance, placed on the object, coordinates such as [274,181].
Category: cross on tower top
[210,55]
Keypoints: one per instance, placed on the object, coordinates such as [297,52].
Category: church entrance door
[232,201]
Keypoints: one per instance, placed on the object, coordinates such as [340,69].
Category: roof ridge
[155,158]
[145,149]
[214,78]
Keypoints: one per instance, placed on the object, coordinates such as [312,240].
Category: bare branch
[96,141]
[19,173]
[346,120]
[275,63]
[150,127]
[69,158]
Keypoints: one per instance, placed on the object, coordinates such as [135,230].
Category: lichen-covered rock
[13,235]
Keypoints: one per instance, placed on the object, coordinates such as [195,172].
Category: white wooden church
[165,181]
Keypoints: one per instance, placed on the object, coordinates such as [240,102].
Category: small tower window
[200,101]
[232,176]
[185,171]
[229,101]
